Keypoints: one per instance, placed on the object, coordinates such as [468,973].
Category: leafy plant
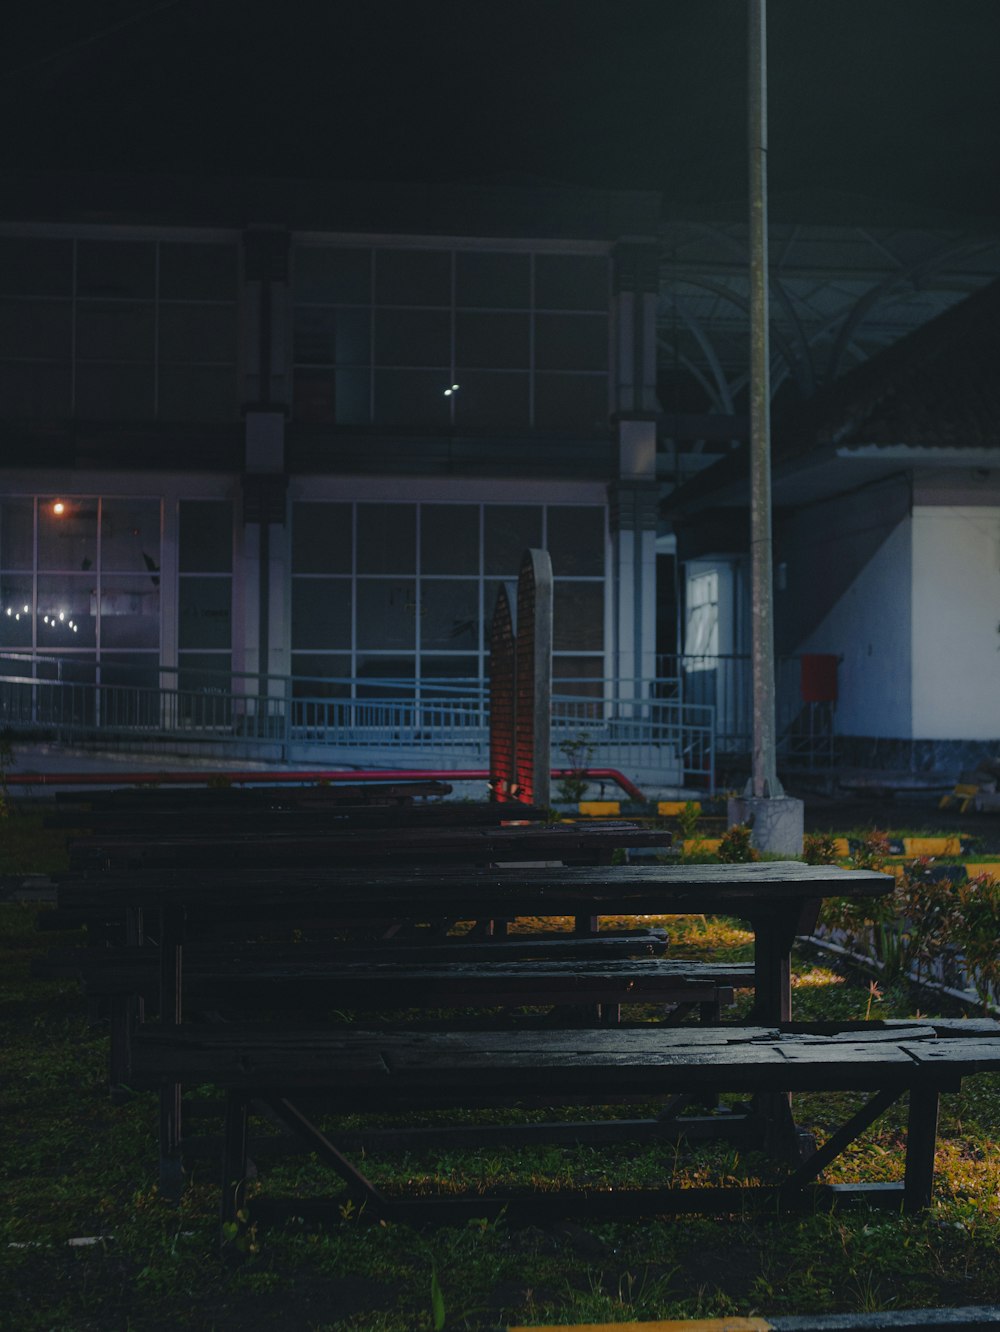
[688,818]
[437,1301]
[736,848]
[819,849]
[572,785]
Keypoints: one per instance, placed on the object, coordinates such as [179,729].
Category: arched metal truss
[839,294]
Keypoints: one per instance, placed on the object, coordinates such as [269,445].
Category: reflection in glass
[386,613]
[130,536]
[67,536]
[66,612]
[130,613]
[321,613]
[16,617]
[205,613]
[449,613]
[449,539]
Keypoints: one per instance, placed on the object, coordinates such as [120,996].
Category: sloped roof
[938,387]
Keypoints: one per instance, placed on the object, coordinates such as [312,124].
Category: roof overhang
[823,473]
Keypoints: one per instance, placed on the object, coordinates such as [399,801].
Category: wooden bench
[361,1071]
[571,844]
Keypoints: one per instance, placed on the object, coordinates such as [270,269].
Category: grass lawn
[76,1167]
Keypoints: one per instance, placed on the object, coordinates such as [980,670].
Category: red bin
[819,677]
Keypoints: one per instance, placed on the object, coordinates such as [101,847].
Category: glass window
[114,331]
[413,277]
[35,391]
[327,676]
[206,675]
[130,536]
[17,529]
[571,342]
[387,538]
[198,272]
[493,341]
[511,529]
[449,614]
[575,540]
[206,536]
[492,400]
[448,668]
[325,397]
[412,398]
[701,630]
[66,612]
[197,333]
[321,613]
[130,612]
[115,268]
[328,337]
[32,266]
[328,276]
[413,337]
[449,539]
[67,534]
[107,392]
[578,617]
[395,670]
[16,615]
[387,613]
[197,393]
[321,538]
[205,613]
[581,677]
[571,282]
[576,403]
[36,328]
[492,281]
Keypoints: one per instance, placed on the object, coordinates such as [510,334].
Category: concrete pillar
[776,822]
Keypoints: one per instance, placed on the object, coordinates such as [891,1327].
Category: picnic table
[340,846]
[779,900]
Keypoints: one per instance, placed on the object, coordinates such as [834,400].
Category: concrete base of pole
[776,821]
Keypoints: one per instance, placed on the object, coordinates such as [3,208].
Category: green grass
[72,1164]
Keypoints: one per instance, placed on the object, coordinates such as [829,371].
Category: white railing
[638,726]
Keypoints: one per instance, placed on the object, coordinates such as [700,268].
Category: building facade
[298,431]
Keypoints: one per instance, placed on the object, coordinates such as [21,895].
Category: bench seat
[397,1071]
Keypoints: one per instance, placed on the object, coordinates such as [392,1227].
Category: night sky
[896,100]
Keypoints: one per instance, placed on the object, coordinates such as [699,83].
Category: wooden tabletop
[346,845]
[460,892]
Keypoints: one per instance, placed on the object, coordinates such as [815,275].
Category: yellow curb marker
[664,1325]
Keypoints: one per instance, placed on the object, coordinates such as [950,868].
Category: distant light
[17,616]
[75,627]
[62,615]
[10,610]
[58,507]
[25,610]
[46,619]
[449,391]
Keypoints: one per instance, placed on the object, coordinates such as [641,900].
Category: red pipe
[306,777]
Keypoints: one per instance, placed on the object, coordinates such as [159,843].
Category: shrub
[819,849]
[735,847]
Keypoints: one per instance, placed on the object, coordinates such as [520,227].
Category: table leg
[171,936]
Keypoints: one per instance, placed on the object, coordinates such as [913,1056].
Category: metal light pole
[764,778]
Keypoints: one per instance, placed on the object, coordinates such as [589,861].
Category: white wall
[870,627]
[956,614]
